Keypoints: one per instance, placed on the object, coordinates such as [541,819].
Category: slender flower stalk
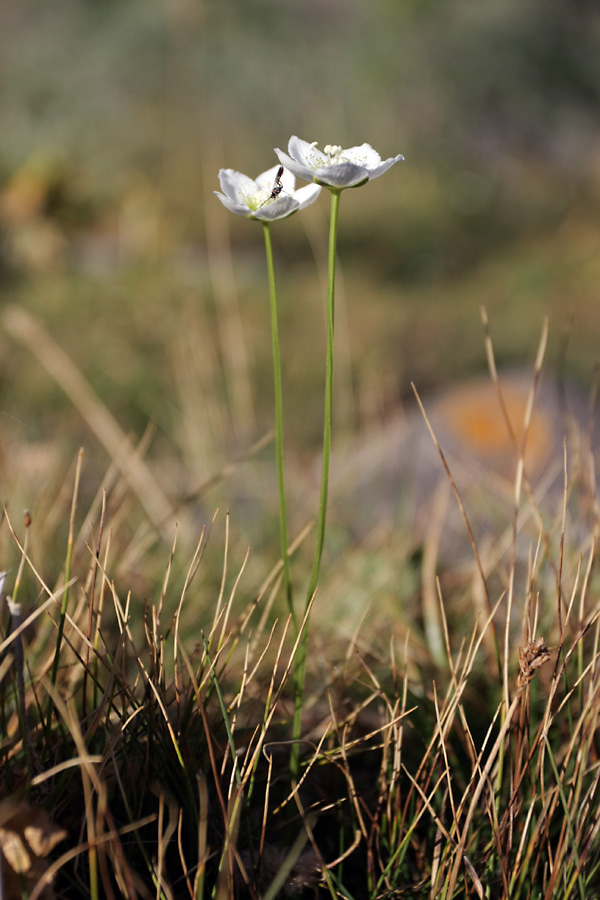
[299,671]
[269,197]
[327,425]
[287,578]
[335,169]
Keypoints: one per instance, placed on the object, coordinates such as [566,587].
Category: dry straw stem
[494,640]
[431,545]
[520,469]
[446,720]
[30,333]
[51,602]
[245,772]
[474,795]
[120,504]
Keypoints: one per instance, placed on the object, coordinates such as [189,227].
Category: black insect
[277,188]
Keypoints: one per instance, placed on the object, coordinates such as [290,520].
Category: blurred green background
[115,118]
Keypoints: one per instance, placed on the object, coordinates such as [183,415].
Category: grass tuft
[146,724]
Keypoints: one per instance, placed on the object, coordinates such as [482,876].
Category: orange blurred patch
[473,418]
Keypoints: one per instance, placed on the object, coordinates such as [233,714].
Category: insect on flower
[277,188]
[253,198]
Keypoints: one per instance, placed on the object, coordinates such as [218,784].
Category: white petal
[233,205]
[235,185]
[363,155]
[385,165]
[279,209]
[307,194]
[305,153]
[300,169]
[342,175]
[288,181]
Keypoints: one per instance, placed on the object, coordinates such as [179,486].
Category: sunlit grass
[164,756]
[154,732]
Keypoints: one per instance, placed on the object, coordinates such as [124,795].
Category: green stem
[299,673]
[335,202]
[287,577]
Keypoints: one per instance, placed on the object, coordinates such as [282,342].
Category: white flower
[271,196]
[334,167]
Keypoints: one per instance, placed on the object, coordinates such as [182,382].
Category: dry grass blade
[465,519]
[520,468]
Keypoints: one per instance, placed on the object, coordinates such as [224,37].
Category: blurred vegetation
[116,118]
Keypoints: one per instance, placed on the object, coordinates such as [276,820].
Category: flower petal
[307,194]
[278,209]
[363,155]
[235,185]
[288,180]
[385,165]
[242,209]
[299,169]
[341,175]
[308,154]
